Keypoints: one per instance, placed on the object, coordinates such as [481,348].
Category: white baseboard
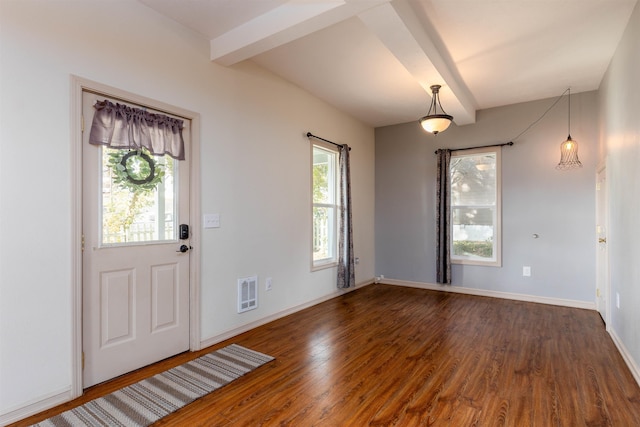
[633,367]
[263,321]
[495,294]
[57,398]
[35,406]
[422,285]
[54,399]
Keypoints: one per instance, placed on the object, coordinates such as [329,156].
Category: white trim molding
[263,321]
[633,367]
[35,406]
[494,294]
[77,86]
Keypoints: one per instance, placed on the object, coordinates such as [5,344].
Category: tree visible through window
[324,206]
[475,207]
[133,210]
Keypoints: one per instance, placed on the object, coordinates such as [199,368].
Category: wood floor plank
[393,356]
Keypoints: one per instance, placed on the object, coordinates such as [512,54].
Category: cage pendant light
[435,122]
[569,148]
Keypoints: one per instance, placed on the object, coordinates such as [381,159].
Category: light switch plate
[212,220]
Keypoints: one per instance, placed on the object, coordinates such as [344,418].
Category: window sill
[324,266]
[476,262]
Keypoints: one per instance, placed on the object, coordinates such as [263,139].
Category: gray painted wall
[620,145]
[559,206]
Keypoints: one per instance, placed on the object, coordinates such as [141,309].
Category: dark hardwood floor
[386,355]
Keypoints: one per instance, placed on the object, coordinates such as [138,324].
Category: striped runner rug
[145,402]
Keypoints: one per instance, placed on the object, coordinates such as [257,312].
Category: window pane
[475,207]
[323,233]
[473,232]
[473,180]
[323,176]
[134,211]
[324,169]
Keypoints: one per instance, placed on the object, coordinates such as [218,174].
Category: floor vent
[247,294]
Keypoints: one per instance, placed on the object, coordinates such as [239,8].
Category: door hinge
[83,360]
[82,123]
[83,243]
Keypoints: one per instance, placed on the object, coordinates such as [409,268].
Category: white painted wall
[255,173]
[559,206]
[620,149]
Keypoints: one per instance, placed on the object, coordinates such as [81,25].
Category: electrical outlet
[268,283]
[617,300]
[526,271]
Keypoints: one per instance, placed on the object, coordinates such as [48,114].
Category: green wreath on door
[135,170]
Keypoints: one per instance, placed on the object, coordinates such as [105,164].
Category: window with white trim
[476,207]
[325,206]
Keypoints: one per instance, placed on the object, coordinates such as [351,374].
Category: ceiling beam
[413,42]
[292,20]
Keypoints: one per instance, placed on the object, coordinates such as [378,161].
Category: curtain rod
[310,135]
[481,146]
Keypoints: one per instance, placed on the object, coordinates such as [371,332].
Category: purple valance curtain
[443,218]
[121,126]
[346,265]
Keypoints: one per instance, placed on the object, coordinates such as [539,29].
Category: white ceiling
[375,59]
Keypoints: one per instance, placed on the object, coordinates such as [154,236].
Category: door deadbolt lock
[602,240]
[184,248]
[183,232]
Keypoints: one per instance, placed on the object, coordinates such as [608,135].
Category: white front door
[602,256]
[135,277]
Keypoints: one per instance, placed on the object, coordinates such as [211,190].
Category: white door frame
[606,286]
[78,84]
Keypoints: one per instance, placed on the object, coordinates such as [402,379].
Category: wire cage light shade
[435,122]
[569,155]
[569,148]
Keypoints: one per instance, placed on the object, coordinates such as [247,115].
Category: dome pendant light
[569,148]
[435,122]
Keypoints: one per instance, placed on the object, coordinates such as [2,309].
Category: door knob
[602,240]
[183,249]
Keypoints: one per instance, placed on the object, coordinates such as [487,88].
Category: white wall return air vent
[247,294]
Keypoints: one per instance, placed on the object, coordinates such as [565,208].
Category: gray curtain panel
[121,126]
[346,265]
[443,218]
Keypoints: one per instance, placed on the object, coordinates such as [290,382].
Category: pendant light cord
[545,113]
[569,121]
